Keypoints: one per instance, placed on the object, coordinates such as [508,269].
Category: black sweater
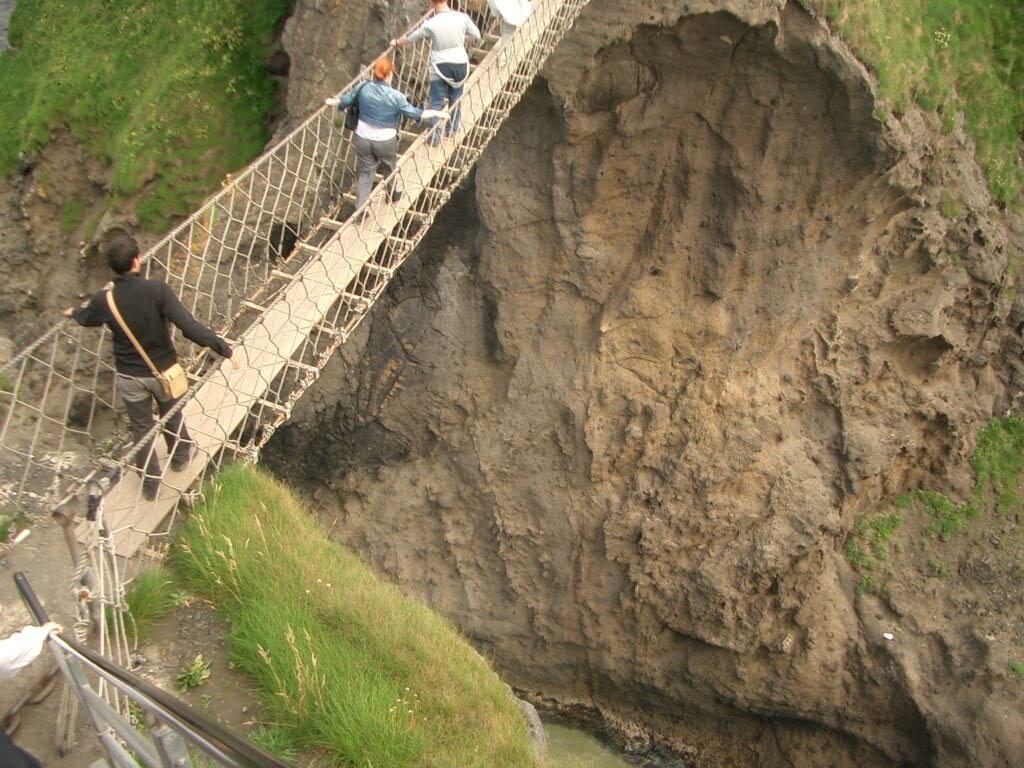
[147,306]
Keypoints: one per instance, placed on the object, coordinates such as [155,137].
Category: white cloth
[375,133]
[20,649]
[514,12]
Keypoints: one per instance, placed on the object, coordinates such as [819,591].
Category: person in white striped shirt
[448,66]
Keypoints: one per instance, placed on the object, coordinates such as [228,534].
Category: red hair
[383,67]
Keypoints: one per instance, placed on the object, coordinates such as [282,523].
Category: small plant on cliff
[998,462]
[149,597]
[8,391]
[868,546]
[71,215]
[1017,667]
[12,520]
[948,205]
[194,674]
[947,517]
[868,584]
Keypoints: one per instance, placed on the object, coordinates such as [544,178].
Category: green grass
[12,520]
[948,56]
[868,547]
[71,215]
[947,518]
[275,740]
[193,674]
[1017,667]
[171,95]
[998,461]
[948,205]
[149,597]
[345,664]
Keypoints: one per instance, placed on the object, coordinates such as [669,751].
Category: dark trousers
[139,393]
[370,155]
[447,89]
[13,756]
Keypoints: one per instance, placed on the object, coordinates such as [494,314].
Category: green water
[576,749]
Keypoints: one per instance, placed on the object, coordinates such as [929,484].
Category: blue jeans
[440,91]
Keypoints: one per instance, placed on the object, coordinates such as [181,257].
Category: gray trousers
[138,394]
[370,155]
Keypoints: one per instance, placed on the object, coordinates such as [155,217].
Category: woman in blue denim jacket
[380,107]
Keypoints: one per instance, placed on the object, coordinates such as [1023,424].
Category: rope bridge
[277,263]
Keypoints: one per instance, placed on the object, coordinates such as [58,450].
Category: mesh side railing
[244,249]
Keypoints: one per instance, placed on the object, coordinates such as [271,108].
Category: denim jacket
[380,104]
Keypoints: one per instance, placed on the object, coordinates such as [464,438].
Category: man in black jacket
[147,307]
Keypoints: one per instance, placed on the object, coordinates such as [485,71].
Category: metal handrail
[161,747]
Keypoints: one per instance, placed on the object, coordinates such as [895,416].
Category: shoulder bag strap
[128,332]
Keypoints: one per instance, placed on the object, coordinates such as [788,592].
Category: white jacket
[514,12]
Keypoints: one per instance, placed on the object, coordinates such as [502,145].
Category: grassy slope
[172,95]
[948,56]
[344,662]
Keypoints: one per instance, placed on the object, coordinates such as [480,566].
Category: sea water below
[569,746]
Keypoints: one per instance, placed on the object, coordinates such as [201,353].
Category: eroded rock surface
[697,314]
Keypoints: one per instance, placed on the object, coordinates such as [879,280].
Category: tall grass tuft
[148,598]
[345,663]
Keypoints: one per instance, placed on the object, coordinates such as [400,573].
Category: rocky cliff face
[698,313]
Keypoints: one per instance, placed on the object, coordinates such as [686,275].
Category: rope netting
[277,263]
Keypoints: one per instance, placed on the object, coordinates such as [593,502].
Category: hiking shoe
[182,457]
[396,196]
[150,488]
